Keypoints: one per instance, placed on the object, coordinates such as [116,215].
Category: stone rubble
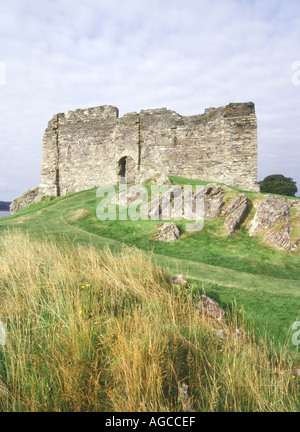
[168,233]
[273,217]
[270,211]
[180,280]
[235,211]
[29,197]
[211,307]
[281,238]
[214,199]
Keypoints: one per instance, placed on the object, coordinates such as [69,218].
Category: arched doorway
[126,168]
[122,167]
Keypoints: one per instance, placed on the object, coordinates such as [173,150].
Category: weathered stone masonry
[90,147]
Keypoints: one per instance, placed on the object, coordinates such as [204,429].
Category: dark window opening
[122,167]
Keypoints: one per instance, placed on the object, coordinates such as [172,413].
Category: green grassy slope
[89,330]
[263,281]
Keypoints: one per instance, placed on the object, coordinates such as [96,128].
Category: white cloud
[62,54]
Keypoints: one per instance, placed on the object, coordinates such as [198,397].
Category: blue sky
[137,54]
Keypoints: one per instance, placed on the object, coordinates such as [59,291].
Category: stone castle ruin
[90,147]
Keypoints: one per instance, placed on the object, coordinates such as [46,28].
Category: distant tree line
[4,205]
[279,184]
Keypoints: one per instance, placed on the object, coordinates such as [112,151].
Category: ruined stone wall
[220,145]
[85,148]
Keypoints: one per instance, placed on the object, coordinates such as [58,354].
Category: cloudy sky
[58,55]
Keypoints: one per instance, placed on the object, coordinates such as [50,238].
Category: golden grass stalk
[91,331]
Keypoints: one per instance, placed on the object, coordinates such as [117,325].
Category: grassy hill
[263,281]
[88,330]
[247,277]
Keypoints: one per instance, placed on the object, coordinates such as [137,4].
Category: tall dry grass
[92,331]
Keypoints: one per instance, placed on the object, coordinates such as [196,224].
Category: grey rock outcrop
[270,211]
[180,280]
[168,205]
[184,397]
[280,238]
[296,245]
[168,233]
[235,211]
[211,307]
[214,198]
[29,197]
[294,203]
